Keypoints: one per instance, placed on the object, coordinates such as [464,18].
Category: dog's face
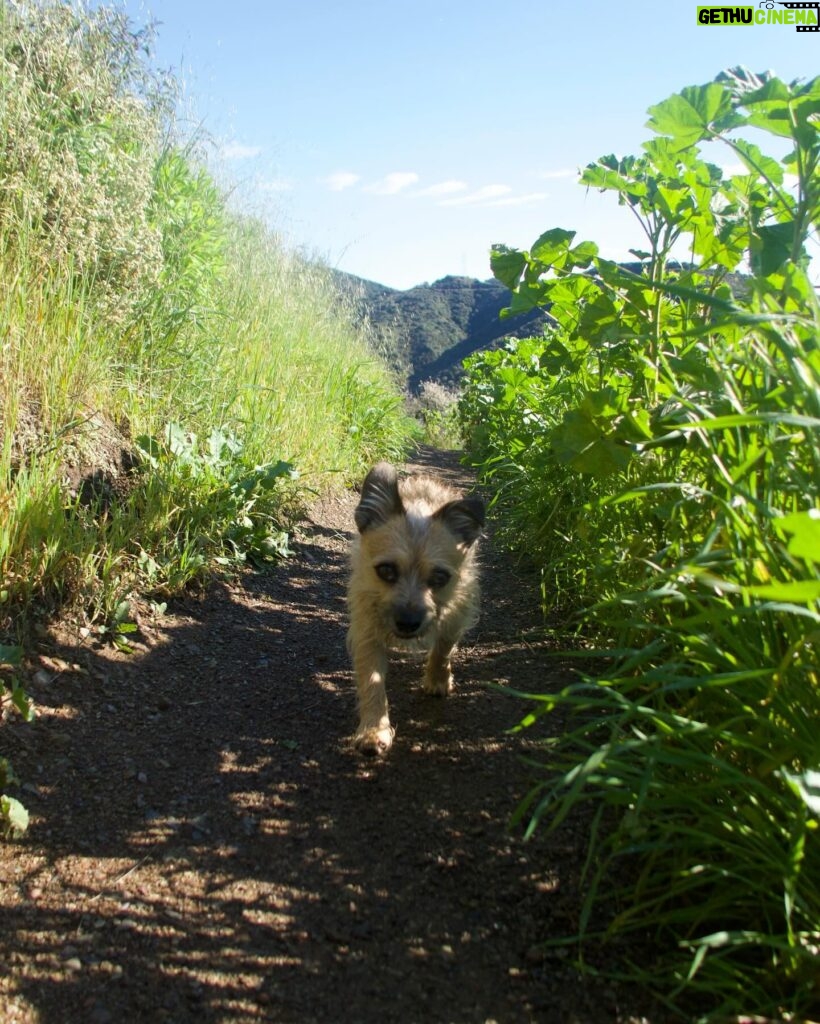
[413,561]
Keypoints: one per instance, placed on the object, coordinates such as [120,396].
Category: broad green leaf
[608,178]
[507,265]
[10,655]
[771,247]
[274,546]
[568,292]
[179,442]
[724,248]
[556,358]
[222,445]
[696,113]
[583,253]
[664,157]
[807,112]
[14,815]
[552,247]
[525,298]
[773,90]
[265,477]
[757,161]
[671,199]
[150,447]
[804,531]
[581,444]
[629,177]
[273,472]
[770,108]
[636,425]
[599,311]
[606,403]
[122,611]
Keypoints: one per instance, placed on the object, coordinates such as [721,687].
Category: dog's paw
[439,684]
[375,741]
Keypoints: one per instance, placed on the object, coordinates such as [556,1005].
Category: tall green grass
[658,452]
[139,316]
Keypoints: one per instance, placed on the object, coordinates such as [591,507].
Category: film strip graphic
[801,6]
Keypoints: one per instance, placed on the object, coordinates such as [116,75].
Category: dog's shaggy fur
[413,585]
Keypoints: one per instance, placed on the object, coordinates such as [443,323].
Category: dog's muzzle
[410,622]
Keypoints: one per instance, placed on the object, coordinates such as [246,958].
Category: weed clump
[134,305]
[657,452]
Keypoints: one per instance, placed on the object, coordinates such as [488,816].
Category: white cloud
[565,172]
[278,185]
[391,184]
[341,180]
[525,200]
[238,151]
[731,169]
[481,195]
[443,188]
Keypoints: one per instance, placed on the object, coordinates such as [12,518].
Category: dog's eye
[388,572]
[438,578]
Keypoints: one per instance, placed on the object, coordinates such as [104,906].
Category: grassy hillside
[166,369]
[426,331]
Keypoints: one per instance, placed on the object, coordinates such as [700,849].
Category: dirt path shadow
[206,846]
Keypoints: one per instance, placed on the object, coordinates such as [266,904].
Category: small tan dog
[413,586]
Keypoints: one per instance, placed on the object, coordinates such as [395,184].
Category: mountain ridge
[426,331]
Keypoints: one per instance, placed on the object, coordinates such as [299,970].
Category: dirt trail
[205,845]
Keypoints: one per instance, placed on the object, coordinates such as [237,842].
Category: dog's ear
[463,517]
[380,497]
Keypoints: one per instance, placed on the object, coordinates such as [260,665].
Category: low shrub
[658,454]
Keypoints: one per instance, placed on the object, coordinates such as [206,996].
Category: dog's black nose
[409,621]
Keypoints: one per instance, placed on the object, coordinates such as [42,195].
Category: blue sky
[399,139]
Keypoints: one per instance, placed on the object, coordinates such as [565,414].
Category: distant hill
[426,331]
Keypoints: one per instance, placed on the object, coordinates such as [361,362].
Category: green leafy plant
[242,501]
[10,657]
[119,627]
[131,297]
[436,408]
[13,815]
[658,453]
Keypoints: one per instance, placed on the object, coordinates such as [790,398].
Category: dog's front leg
[438,676]
[375,734]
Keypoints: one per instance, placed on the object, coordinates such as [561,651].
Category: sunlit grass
[205,373]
